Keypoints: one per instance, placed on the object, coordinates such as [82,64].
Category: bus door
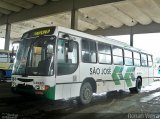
[67,68]
[150,69]
[144,70]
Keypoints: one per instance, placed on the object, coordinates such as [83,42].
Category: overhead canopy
[101,19]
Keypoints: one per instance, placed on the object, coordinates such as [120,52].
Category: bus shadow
[72,107]
[35,107]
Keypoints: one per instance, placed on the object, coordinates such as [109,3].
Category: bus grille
[25,80]
[22,86]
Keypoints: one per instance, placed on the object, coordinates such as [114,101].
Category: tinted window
[104,48]
[136,55]
[117,55]
[104,53]
[150,61]
[136,59]
[88,51]
[85,45]
[128,57]
[117,51]
[143,60]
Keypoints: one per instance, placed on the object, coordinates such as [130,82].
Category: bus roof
[100,39]
[50,30]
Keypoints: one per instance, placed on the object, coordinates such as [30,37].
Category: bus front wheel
[86,93]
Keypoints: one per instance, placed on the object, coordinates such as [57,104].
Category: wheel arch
[92,82]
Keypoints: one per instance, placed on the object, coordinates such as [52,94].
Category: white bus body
[93,64]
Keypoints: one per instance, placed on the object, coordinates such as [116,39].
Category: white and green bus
[61,63]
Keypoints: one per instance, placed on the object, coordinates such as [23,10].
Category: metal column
[7,36]
[131,37]
[74,17]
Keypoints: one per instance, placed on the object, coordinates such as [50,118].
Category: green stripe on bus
[50,93]
[129,76]
[117,75]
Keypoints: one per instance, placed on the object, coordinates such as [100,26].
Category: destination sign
[39,32]
[42,32]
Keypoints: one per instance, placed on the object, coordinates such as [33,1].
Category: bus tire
[138,86]
[86,93]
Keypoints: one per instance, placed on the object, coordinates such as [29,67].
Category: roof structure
[94,16]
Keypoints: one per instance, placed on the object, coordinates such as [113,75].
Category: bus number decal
[98,71]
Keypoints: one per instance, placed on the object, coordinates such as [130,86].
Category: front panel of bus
[47,65]
[33,70]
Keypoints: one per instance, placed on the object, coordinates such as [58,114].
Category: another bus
[6,64]
[60,63]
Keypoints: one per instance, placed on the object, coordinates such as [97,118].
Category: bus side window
[117,55]
[104,53]
[144,60]
[89,51]
[128,57]
[150,61]
[136,59]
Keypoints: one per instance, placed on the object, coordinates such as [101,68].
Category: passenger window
[136,59]
[150,61]
[143,60]
[128,57]
[88,51]
[104,52]
[117,55]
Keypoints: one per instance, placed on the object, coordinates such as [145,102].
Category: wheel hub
[86,94]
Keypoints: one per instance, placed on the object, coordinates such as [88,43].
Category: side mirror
[70,45]
[69,42]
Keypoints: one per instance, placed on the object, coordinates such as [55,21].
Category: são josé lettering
[101,71]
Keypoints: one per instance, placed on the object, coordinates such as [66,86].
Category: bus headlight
[37,87]
[41,87]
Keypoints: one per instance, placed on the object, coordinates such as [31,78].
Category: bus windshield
[35,56]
